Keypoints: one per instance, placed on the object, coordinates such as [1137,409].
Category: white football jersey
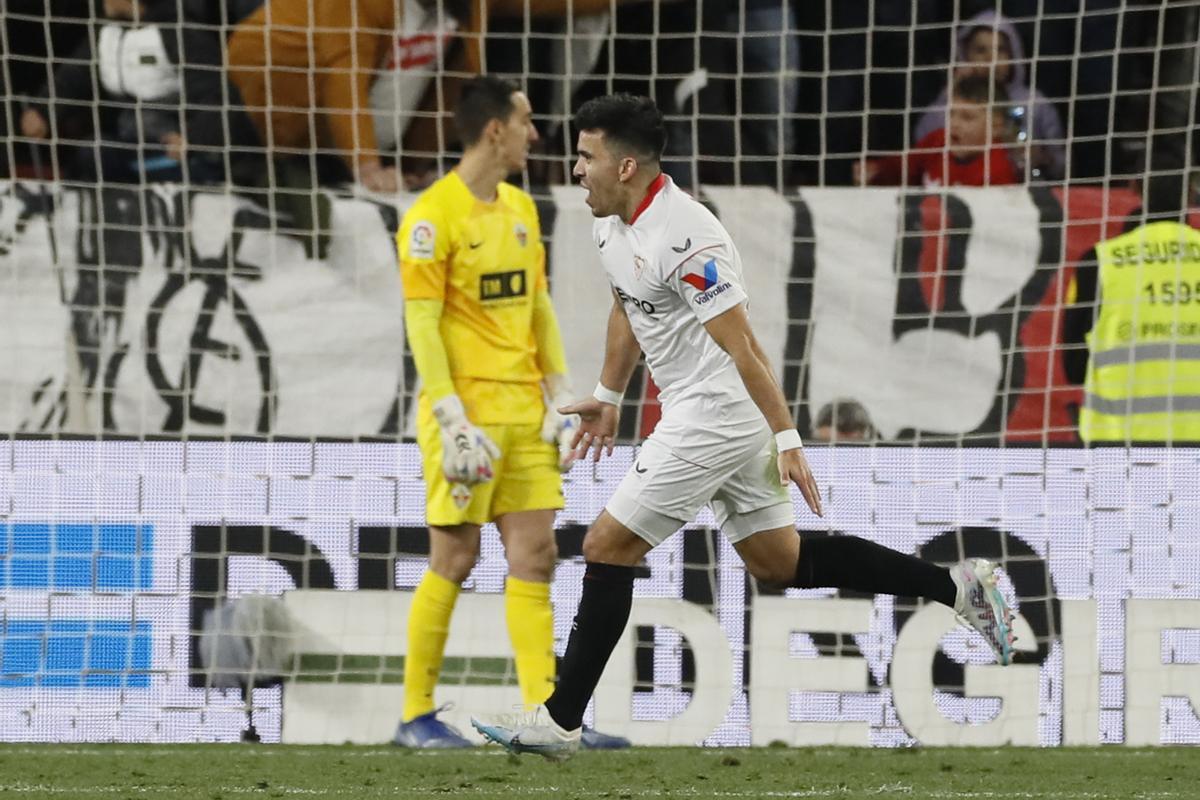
[675,267]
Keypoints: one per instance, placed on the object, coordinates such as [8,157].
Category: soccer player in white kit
[726,437]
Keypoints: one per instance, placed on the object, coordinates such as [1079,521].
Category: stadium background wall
[189,317]
[113,552]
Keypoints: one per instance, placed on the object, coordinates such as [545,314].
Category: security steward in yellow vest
[1137,307]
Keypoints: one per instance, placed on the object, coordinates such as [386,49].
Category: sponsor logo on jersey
[522,234]
[421,239]
[706,280]
[645,306]
[502,285]
[706,283]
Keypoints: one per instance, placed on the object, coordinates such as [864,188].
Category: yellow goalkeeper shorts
[526,476]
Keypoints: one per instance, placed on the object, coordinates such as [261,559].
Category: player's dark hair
[630,123]
[981,89]
[483,99]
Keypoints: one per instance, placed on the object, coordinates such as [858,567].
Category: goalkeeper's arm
[467,452]
[552,360]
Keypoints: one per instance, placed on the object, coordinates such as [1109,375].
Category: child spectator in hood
[972,151]
[989,45]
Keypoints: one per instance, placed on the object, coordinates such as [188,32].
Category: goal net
[211,496]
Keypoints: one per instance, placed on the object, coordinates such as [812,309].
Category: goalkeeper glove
[467,452]
[559,429]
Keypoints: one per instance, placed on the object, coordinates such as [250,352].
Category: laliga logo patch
[420,241]
[522,234]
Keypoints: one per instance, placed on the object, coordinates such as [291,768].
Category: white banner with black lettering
[161,311]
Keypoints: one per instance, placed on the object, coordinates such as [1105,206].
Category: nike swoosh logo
[638,468]
[474,245]
[686,246]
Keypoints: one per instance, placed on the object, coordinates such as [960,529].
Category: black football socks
[848,562]
[841,562]
[599,622]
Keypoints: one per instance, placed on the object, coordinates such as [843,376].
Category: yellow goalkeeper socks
[531,629]
[428,627]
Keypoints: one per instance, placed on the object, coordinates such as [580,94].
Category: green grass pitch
[232,772]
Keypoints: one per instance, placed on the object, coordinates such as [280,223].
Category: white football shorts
[685,465]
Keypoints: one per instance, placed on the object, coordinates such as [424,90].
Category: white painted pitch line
[510,790]
[290,751]
[384,750]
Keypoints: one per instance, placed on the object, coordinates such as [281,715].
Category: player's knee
[457,568]
[595,549]
[774,574]
[601,549]
[455,563]
[535,560]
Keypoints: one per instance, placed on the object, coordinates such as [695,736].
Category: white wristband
[788,440]
[607,395]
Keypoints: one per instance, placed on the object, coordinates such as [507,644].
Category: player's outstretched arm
[600,413]
[731,331]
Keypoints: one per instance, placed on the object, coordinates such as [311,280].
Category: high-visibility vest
[1143,379]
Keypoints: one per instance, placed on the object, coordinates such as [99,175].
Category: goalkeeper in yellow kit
[487,346]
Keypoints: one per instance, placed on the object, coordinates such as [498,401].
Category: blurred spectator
[438,42]
[767,96]
[988,45]
[31,30]
[843,420]
[970,152]
[153,82]
[304,70]
[426,33]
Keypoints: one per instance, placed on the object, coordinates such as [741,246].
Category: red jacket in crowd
[930,163]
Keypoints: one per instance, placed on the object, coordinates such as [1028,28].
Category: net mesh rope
[211,402]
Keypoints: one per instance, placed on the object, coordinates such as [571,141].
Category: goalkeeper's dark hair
[631,124]
[483,99]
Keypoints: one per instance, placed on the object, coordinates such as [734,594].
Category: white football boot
[980,605]
[530,732]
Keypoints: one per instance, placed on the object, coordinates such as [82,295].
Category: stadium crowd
[180,89]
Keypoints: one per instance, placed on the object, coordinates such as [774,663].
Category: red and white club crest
[522,234]
[639,264]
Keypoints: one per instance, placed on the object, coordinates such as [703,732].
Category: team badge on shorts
[522,234]
[460,493]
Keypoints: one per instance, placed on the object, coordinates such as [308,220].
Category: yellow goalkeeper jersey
[485,262]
